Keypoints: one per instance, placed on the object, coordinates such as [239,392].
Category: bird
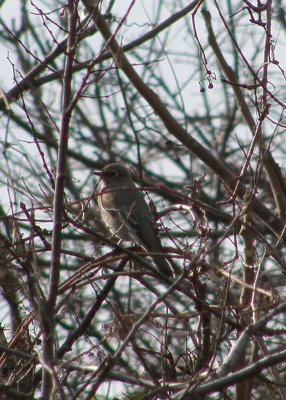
[126,214]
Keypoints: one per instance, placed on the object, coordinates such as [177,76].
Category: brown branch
[48,307]
[30,81]
[272,169]
[225,172]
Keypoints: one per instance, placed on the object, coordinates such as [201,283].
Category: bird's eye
[113,173]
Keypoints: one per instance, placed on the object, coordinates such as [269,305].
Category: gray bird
[126,214]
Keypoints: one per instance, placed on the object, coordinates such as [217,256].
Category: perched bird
[126,214]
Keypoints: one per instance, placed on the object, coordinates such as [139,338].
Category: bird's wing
[132,220]
[121,215]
